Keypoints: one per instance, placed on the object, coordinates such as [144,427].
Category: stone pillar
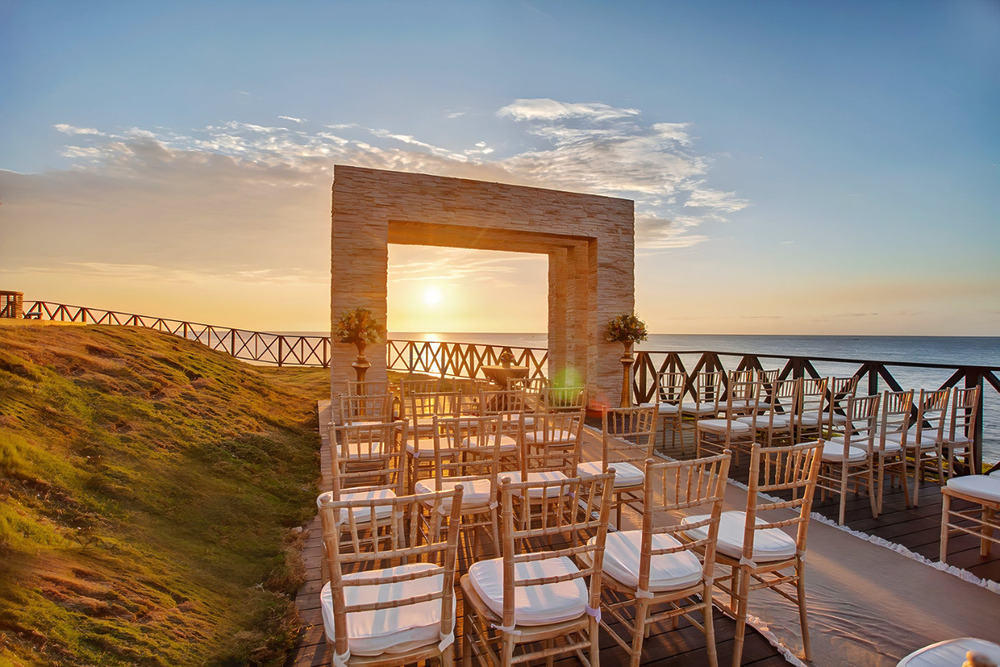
[11,305]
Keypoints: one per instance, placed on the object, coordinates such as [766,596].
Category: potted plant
[359,327]
[626,329]
[506,358]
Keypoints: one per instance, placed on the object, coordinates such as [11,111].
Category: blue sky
[797,167]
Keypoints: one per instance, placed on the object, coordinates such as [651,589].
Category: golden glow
[432,296]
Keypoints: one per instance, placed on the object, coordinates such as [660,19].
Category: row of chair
[392,559]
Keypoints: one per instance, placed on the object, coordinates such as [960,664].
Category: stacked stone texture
[588,239]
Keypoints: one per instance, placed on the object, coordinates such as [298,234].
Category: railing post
[232,342]
[280,341]
[977,435]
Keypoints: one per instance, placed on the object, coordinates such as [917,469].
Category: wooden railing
[256,346]
[871,374]
[463,360]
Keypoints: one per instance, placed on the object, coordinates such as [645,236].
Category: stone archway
[589,240]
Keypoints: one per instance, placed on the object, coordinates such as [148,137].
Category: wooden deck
[918,529]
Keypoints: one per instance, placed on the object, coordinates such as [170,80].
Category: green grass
[149,488]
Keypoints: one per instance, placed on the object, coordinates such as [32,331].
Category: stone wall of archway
[589,241]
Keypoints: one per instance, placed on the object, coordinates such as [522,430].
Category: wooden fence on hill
[465,360]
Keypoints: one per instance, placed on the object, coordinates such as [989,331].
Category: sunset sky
[797,167]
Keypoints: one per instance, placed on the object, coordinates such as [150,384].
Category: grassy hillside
[149,490]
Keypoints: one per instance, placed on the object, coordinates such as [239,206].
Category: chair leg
[803,621]
[945,510]
[641,608]
[742,588]
[988,518]
[708,613]
[870,481]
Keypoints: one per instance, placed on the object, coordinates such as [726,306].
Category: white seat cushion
[951,652]
[768,545]
[663,408]
[560,435]
[542,476]
[986,487]
[723,425]
[667,572]
[698,408]
[778,421]
[833,452]
[475,490]
[507,443]
[892,444]
[626,474]
[357,450]
[423,448]
[361,514]
[399,628]
[533,605]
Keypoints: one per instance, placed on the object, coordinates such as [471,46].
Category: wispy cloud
[550,110]
[70,129]
[239,196]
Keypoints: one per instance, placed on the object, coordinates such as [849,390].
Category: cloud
[69,129]
[551,110]
[242,198]
[293,119]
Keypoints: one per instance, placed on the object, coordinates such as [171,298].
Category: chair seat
[361,450]
[723,425]
[626,474]
[663,408]
[779,421]
[543,604]
[507,443]
[698,408]
[959,442]
[423,448]
[667,572]
[768,545]
[833,452]
[401,628]
[951,652]
[475,491]
[986,487]
[559,435]
[541,476]
[810,419]
[361,514]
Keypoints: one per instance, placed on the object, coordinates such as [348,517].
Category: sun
[432,296]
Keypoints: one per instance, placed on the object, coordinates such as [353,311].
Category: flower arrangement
[506,358]
[358,326]
[625,328]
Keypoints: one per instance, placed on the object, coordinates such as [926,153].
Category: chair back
[551,441]
[809,414]
[564,399]
[742,392]
[533,386]
[861,425]
[561,527]
[963,414]
[838,390]
[670,387]
[368,387]
[778,407]
[676,488]
[705,389]
[467,446]
[367,457]
[767,376]
[365,408]
[894,423]
[628,434]
[412,554]
[781,471]
[932,414]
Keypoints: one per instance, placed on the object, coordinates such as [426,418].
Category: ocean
[951,350]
